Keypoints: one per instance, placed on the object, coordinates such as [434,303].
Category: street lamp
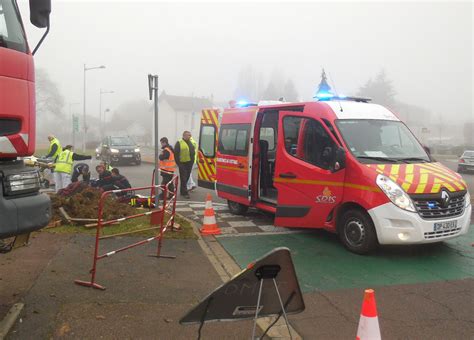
[85,125]
[105,111]
[100,110]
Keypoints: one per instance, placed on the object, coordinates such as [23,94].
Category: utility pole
[73,127]
[153,92]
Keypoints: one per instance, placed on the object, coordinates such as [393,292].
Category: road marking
[241,224]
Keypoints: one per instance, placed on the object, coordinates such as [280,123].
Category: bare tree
[49,101]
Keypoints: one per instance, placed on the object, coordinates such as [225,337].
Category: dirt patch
[85,204]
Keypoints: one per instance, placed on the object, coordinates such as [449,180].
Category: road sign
[75,123]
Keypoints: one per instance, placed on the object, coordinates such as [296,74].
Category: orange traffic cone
[209,226]
[369,323]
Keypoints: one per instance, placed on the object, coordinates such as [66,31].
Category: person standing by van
[184,153]
[167,163]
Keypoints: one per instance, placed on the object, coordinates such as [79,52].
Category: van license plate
[441,226]
[127,156]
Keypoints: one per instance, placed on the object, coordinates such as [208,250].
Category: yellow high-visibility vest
[64,162]
[59,149]
[184,154]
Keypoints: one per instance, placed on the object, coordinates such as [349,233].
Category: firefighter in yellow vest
[63,166]
[184,154]
[53,152]
[167,163]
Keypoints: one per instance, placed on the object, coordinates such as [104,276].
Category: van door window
[207,140]
[306,139]
[268,134]
[233,139]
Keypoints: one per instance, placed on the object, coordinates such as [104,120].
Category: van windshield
[11,29]
[381,141]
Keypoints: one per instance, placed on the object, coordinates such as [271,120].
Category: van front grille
[434,206]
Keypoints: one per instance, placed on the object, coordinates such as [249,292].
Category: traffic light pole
[153,92]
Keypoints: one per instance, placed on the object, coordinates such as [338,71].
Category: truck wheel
[357,232]
[237,208]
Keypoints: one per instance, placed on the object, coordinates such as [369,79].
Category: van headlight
[467,199]
[137,150]
[21,183]
[395,193]
[114,150]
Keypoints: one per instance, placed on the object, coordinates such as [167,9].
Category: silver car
[466,162]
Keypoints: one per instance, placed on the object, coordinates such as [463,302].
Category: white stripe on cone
[368,328]
[208,204]
[209,220]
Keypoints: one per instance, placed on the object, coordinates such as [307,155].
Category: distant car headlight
[22,183]
[395,193]
[114,150]
[97,150]
[137,150]
[467,199]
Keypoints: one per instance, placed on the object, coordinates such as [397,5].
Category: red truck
[22,207]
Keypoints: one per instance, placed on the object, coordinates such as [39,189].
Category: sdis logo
[326,197]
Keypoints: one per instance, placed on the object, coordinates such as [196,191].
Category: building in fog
[179,113]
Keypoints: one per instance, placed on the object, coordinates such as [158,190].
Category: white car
[466,161]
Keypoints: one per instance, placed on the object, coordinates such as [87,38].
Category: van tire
[237,208]
[357,232]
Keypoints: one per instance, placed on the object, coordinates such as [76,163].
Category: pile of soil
[85,204]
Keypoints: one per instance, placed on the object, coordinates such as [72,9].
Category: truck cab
[346,165]
[22,207]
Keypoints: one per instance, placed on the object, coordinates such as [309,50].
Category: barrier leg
[162,227]
[96,253]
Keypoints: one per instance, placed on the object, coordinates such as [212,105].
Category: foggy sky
[425,48]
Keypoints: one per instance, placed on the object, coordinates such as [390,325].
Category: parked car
[466,162]
[120,149]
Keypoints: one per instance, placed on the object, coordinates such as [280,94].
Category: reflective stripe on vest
[58,150]
[184,154]
[168,165]
[64,162]
[193,142]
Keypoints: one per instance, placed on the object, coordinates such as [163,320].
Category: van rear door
[308,190]
[208,135]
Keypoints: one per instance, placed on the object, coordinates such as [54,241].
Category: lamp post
[105,111]
[73,131]
[100,111]
[84,118]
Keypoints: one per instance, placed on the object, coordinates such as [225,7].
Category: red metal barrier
[168,205]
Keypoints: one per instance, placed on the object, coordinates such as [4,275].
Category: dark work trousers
[165,180]
[184,173]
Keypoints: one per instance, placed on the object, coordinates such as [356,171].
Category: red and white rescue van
[348,166]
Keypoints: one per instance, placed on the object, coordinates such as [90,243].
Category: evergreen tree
[290,93]
[379,89]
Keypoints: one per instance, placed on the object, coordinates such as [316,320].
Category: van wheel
[237,208]
[357,232]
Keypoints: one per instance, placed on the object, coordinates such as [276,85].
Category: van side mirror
[339,159]
[39,12]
